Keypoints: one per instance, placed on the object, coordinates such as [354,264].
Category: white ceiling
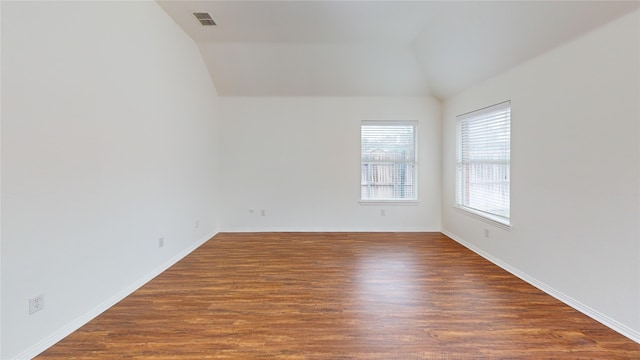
[377,48]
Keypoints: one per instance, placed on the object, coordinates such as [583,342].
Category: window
[483,164]
[388,161]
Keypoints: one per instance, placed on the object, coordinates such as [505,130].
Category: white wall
[575,173]
[298,158]
[108,143]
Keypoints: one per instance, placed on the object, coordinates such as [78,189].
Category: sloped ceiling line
[377,48]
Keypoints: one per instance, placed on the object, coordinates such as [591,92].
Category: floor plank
[340,296]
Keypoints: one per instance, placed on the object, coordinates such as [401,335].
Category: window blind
[484,161]
[388,160]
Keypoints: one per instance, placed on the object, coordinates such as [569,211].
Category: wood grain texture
[340,296]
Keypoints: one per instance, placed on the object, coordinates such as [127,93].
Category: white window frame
[391,123]
[490,173]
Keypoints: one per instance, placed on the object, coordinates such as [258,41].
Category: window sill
[488,218]
[389,202]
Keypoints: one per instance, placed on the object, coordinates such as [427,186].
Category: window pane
[484,157]
[388,162]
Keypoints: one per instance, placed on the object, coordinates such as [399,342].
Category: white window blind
[483,164]
[388,160]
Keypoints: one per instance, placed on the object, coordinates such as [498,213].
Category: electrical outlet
[383,213]
[160,242]
[486,233]
[197,224]
[36,304]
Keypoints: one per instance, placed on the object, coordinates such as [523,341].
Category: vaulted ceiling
[377,48]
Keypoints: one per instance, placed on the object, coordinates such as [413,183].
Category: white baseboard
[93,313]
[327,229]
[590,312]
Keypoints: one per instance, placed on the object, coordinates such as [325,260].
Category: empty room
[320,180]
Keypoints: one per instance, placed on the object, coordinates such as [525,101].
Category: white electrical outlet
[36,304]
[160,242]
[197,224]
[383,213]
[486,233]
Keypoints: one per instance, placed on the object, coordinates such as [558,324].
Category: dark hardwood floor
[340,296]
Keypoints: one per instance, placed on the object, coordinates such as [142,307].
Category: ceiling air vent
[204,18]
